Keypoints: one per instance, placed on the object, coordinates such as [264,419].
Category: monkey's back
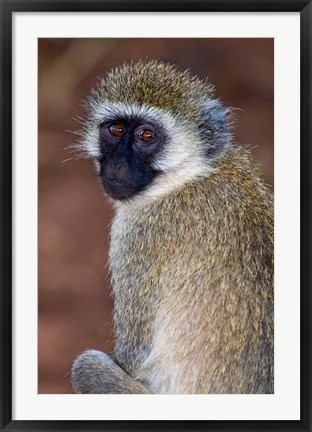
[198,315]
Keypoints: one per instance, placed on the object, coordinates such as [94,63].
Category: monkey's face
[127,150]
[142,152]
[150,129]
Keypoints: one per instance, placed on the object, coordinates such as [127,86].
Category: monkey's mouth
[118,189]
[115,182]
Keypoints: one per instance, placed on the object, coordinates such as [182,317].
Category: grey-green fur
[192,269]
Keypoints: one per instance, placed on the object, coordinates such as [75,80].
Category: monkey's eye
[147,135]
[117,129]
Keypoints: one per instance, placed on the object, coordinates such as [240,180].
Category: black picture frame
[7,9]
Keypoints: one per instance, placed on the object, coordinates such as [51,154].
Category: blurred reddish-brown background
[75,308]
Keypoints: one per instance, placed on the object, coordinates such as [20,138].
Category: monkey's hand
[94,372]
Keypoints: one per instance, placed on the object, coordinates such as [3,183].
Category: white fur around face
[179,162]
[168,182]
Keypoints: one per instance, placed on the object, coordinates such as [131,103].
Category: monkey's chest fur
[193,292]
[137,256]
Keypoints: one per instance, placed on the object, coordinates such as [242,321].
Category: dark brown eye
[147,135]
[117,130]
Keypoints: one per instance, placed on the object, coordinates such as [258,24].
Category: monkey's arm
[94,372]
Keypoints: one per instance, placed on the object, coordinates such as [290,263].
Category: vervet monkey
[191,252]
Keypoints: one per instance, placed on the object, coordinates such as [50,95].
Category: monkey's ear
[213,127]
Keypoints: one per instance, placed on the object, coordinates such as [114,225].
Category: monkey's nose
[116,171]
[122,168]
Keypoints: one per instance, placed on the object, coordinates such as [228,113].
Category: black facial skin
[126,160]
